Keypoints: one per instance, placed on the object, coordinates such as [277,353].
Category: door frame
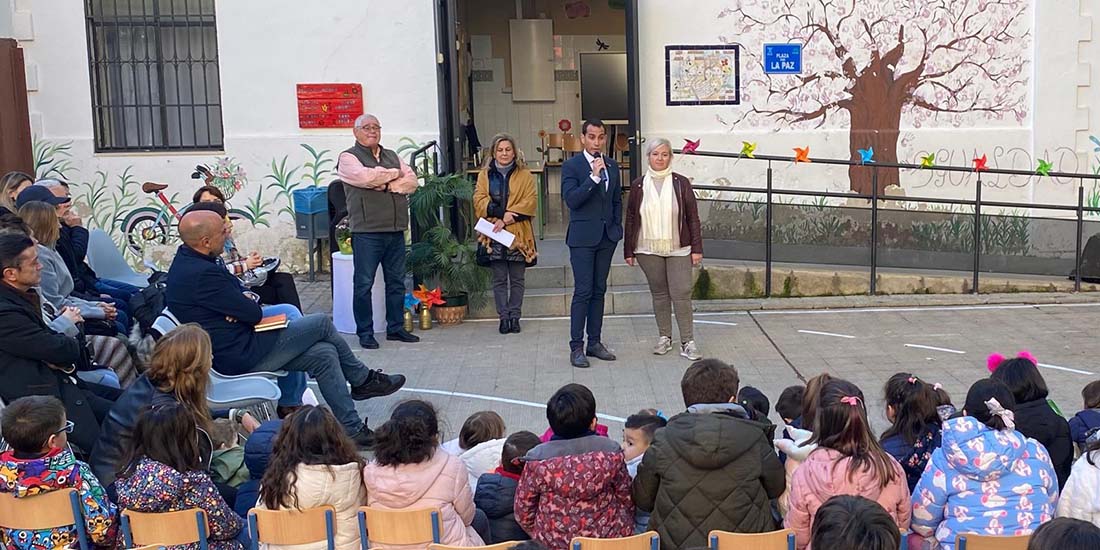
[450,127]
[633,89]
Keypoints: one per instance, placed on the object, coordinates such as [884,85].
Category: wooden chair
[571,145]
[497,546]
[46,511]
[621,148]
[970,541]
[398,527]
[165,528]
[292,527]
[553,141]
[645,541]
[775,540]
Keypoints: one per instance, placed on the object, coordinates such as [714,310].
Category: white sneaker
[689,351]
[664,345]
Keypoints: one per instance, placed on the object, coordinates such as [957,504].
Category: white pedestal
[343,317]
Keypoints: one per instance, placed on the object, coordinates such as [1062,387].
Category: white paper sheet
[505,237]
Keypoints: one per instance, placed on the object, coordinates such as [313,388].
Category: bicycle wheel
[142,227]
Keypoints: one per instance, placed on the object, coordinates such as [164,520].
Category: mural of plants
[257,209]
[282,181]
[229,176]
[316,166]
[52,159]
[877,64]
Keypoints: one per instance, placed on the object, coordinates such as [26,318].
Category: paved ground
[471,367]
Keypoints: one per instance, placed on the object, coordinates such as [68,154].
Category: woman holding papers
[505,196]
[663,237]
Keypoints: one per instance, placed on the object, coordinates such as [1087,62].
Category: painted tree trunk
[876,123]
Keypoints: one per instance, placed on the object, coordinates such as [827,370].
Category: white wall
[265,47]
[1055,124]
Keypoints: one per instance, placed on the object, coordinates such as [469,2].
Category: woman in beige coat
[314,463]
[410,471]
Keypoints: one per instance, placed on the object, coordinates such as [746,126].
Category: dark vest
[371,211]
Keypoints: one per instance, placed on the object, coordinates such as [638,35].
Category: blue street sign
[782,58]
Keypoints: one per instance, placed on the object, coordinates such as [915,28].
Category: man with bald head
[200,290]
[377,184]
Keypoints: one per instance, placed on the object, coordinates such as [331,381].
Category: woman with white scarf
[663,237]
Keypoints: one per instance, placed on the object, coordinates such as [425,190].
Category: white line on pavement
[1067,369]
[827,334]
[933,348]
[499,400]
[702,322]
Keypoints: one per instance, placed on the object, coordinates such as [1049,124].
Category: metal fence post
[874,230]
[1080,236]
[768,237]
[977,232]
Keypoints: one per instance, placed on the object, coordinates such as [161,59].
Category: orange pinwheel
[429,298]
[802,154]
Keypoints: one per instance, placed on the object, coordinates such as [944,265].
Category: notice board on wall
[329,105]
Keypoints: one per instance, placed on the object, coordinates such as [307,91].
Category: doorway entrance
[536,69]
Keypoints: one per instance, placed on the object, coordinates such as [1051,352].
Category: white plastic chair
[108,263]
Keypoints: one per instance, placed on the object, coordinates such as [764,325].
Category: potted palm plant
[439,257]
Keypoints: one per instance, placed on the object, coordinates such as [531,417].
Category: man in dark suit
[591,189]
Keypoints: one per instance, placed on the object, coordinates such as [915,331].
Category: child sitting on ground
[1065,534]
[496,491]
[789,407]
[638,434]
[797,442]
[755,402]
[40,462]
[227,462]
[915,425]
[575,485]
[944,407]
[1086,424]
[479,443]
[847,522]
[848,460]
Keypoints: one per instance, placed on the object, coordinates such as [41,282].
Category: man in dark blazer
[591,189]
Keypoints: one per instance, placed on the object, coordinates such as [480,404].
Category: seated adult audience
[36,360]
[10,186]
[279,287]
[57,283]
[710,467]
[314,463]
[201,291]
[163,472]
[39,462]
[179,372]
[850,522]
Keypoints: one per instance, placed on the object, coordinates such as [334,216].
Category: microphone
[597,154]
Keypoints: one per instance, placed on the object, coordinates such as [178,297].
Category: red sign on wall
[329,105]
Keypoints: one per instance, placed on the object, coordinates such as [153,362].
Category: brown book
[274,322]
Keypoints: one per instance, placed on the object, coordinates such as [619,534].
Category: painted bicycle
[153,225]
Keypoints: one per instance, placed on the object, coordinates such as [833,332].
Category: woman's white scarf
[658,211]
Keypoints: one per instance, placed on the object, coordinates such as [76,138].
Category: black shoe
[368,342]
[402,336]
[364,438]
[599,351]
[515,326]
[377,385]
[283,412]
[505,326]
[578,360]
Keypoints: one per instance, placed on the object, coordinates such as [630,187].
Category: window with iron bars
[154,75]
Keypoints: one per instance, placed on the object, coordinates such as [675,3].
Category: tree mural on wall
[872,65]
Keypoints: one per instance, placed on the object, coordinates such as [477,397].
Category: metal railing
[875,197]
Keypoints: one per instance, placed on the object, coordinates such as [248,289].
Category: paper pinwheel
[411,301]
[690,146]
[802,154]
[748,149]
[866,156]
[1044,168]
[429,297]
[928,161]
[979,164]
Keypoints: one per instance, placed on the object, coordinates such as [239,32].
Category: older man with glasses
[377,183]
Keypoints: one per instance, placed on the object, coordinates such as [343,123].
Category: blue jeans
[117,290]
[312,345]
[371,249]
[293,385]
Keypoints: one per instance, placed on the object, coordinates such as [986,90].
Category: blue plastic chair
[45,511]
[292,527]
[108,263]
[398,527]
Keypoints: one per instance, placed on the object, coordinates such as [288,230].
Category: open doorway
[535,69]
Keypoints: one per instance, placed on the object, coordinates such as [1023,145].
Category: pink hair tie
[912,379]
[850,400]
[995,360]
[937,386]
